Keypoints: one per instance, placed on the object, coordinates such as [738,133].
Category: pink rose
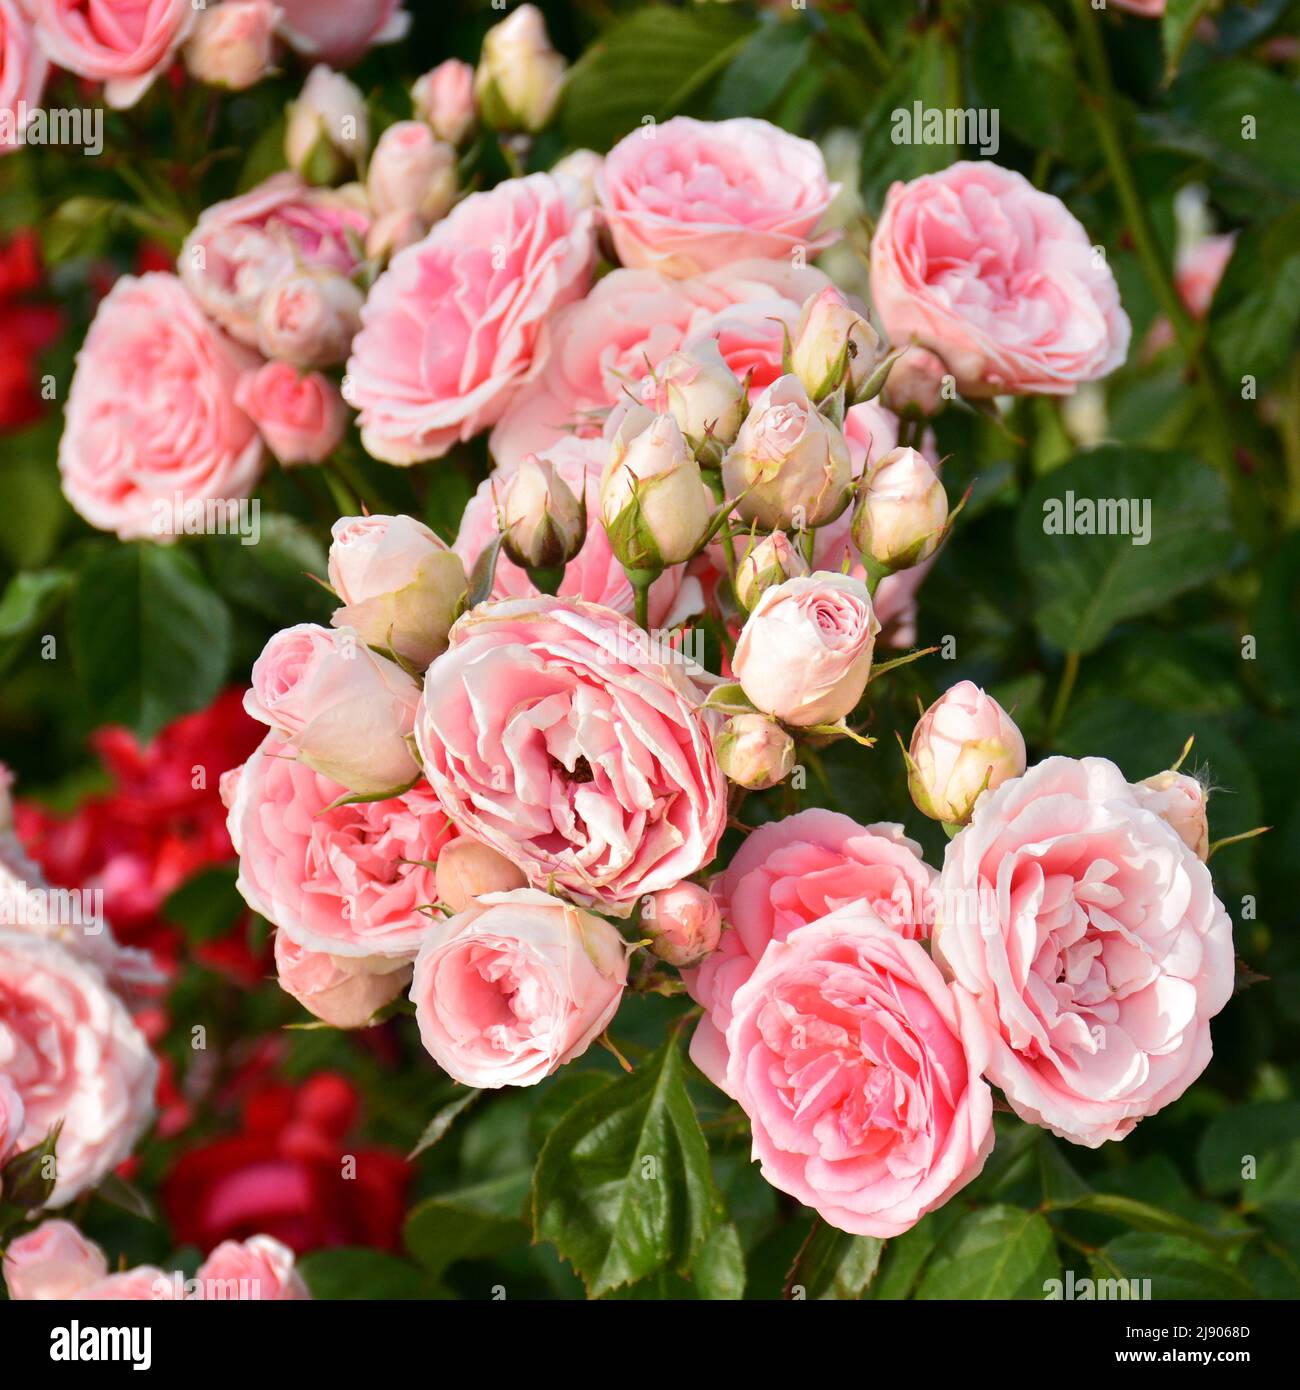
[53,1261]
[233,44]
[998,279]
[452,327]
[550,732]
[1201,268]
[309,318]
[23,67]
[1086,941]
[445,99]
[345,711]
[300,415]
[412,171]
[1182,802]
[348,881]
[683,923]
[468,870]
[343,991]
[143,1284]
[509,990]
[260,1268]
[151,412]
[689,196]
[242,247]
[11,1119]
[789,873]
[963,745]
[860,1078]
[124,44]
[70,1050]
[340,31]
[1149,9]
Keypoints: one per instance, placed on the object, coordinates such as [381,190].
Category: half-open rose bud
[902,511]
[327,128]
[833,346]
[412,170]
[683,924]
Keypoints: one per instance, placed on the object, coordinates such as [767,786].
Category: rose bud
[400,585]
[309,318]
[902,511]
[394,232]
[346,712]
[579,170]
[300,415]
[833,344]
[804,654]
[467,869]
[233,45]
[769,560]
[655,504]
[445,99]
[412,170]
[343,991]
[328,129]
[754,751]
[697,388]
[683,923]
[53,1262]
[519,75]
[915,383]
[542,523]
[789,468]
[964,744]
[1182,801]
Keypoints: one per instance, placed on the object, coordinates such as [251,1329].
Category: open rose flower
[789,873]
[518,984]
[1087,944]
[340,31]
[998,279]
[688,196]
[452,327]
[550,731]
[23,67]
[151,412]
[860,1079]
[124,44]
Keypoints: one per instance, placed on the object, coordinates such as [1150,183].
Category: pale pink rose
[242,247]
[754,751]
[340,31]
[1086,941]
[411,170]
[124,44]
[233,43]
[344,710]
[453,327]
[23,67]
[518,984]
[309,318]
[11,1119]
[683,923]
[963,745]
[54,1261]
[343,991]
[1182,802]
[260,1268]
[998,279]
[689,196]
[300,415]
[468,870]
[859,1076]
[791,872]
[1200,270]
[143,1284]
[151,413]
[445,98]
[549,730]
[348,881]
[70,1050]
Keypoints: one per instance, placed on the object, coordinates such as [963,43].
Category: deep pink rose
[151,413]
[689,196]
[53,1261]
[789,873]
[260,1268]
[348,881]
[1086,941]
[340,31]
[549,730]
[124,44]
[23,66]
[300,415]
[452,328]
[998,279]
[860,1079]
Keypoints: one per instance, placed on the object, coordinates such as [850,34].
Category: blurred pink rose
[151,412]
[300,415]
[689,196]
[453,327]
[788,873]
[343,991]
[998,279]
[233,43]
[309,318]
[860,1079]
[444,98]
[550,731]
[124,44]
[260,1268]
[412,171]
[53,1261]
[509,990]
[340,31]
[1087,944]
[1200,270]
[23,66]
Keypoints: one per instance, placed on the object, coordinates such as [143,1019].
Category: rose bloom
[241,248]
[348,881]
[791,872]
[260,1268]
[151,412]
[509,990]
[550,731]
[300,415]
[998,279]
[445,98]
[23,65]
[1087,944]
[53,1261]
[688,196]
[343,991]
[449,334]
[70,1050]
[124,44]
[860,1078]
[340,31]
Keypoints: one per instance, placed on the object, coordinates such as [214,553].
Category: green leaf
[207,905]
[356,1272]
[623,1186]
[1023,65]
[35,511]
[1177,1267]
[762,69]
[1177,26]
[996,1252]
[27,598]
[1142,1216]
[273,577]
[719,1268]
[1084,584]
[150,639]
[470,1223]
[443,1120]
[834,1264]
[1255,315]
[1253,1151]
